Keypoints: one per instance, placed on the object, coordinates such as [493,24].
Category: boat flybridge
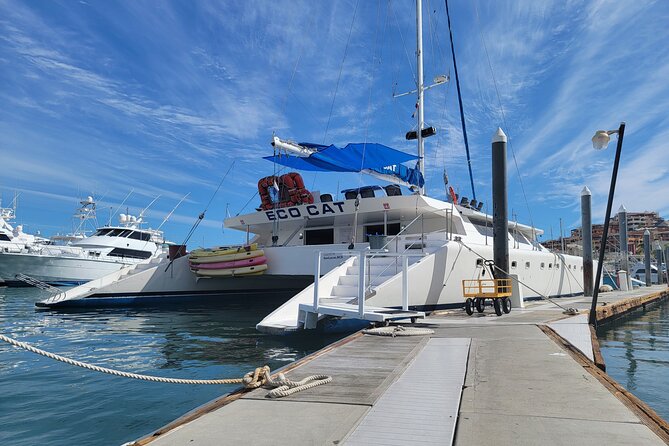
[12,238]
[109,249]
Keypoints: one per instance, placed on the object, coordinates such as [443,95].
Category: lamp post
[599,142]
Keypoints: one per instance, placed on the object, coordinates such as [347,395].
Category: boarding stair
[340,293]
[356,283]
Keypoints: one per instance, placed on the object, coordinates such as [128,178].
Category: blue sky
[161,98]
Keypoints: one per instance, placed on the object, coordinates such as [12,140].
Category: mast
[419,88]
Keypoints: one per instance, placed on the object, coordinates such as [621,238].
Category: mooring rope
[398,330]
[261,376]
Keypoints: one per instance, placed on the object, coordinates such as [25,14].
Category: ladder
[38,284]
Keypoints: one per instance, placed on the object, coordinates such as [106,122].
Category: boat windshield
[140,236]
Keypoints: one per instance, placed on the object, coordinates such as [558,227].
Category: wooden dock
[516,379]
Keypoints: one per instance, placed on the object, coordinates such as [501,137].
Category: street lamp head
[601,140]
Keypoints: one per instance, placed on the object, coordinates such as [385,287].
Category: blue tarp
[353,158]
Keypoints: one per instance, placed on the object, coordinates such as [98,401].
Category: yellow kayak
[222,251]
[227,257]
[245,271]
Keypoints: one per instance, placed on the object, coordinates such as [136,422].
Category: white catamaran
[385,246]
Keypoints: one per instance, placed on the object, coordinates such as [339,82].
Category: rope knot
[256,378]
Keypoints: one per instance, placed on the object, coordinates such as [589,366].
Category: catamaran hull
[245,289]
[290,269]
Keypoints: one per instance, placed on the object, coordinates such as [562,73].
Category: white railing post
[317,277]
[361,284]
[405,282]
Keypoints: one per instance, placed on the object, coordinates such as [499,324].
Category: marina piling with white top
[624,244]
[586,234]
[500,222]
[646,257]
[659,260]
[666,261]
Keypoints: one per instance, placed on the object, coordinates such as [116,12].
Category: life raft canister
[263,190]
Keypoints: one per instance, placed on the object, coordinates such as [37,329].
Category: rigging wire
[341,68]
[369,112]
[501,109]
[440,149]
[200,217]
[403,42]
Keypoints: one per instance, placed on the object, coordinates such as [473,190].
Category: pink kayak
[233,264]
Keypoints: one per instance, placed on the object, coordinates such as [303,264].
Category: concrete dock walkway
[522,384]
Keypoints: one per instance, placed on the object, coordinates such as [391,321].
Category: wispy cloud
[164,97]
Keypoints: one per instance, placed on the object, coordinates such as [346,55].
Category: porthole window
[514,264]
[543,265]
[550,266]
[527,265]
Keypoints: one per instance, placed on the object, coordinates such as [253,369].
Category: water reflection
[636,352]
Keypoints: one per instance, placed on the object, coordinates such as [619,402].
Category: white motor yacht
[109,249]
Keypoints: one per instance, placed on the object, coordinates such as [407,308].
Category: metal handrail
[448,229]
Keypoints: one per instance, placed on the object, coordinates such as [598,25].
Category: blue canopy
[355,157]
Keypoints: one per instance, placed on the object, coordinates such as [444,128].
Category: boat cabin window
[5,238]
[115,232]
[393,190]
[641,271]
[550,266]
[527,265]
[365,192]
[319,236]
[557,266]
[543,265]
[514,264]
[129,253]
[103,231]
[393,229]
[519,237]
[483,229]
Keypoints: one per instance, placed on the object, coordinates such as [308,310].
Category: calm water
[636,352]
[43,401]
